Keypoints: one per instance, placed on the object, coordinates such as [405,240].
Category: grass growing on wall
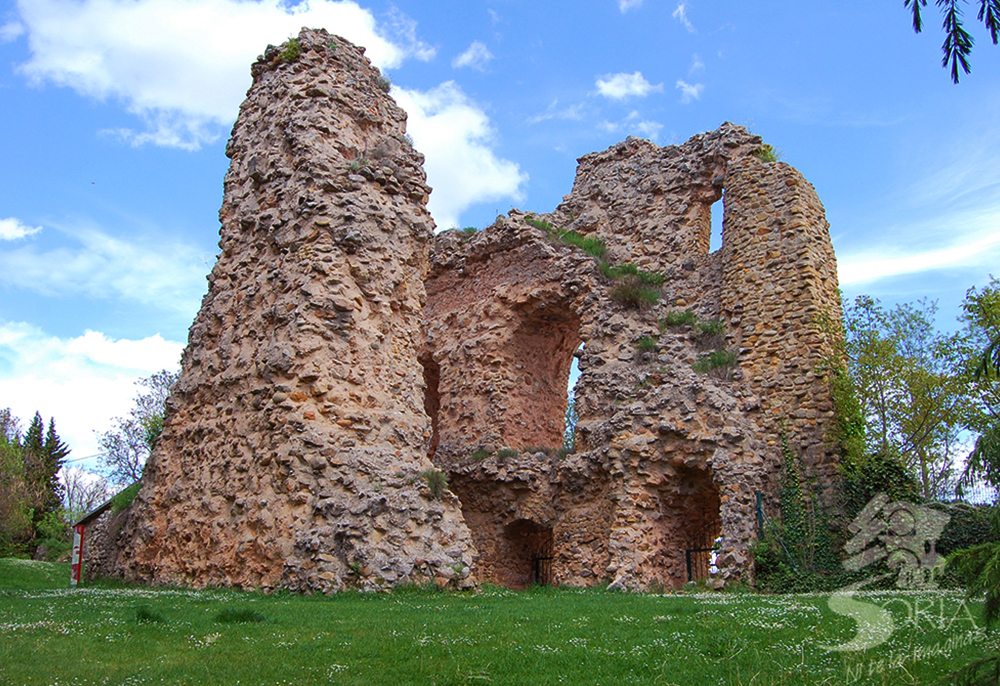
[420,636]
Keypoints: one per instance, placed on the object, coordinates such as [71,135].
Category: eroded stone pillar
[295,444]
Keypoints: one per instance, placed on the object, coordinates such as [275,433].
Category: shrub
[540,224]
[506,452]
[594,247]
[437,481]
[292,51]
[241,616]
[631,292]
[470,230]
[718,363]
[384,84]
[687,317]
[647,344]
[616,272]
[480,454]
[766,153]
[713,327]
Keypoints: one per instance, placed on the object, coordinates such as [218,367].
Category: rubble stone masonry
[344,352]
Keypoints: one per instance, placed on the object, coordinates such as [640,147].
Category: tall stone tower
[295,445]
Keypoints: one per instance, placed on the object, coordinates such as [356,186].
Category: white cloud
[571,113]
[157,272]
[186,78]
[689,92]
[476,57]
[455,135]
[626,5]
[11,31]
[697,66]
[82,382]
[680,14]
[11,229]
[621,86]
[978,246]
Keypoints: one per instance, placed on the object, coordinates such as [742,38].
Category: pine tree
[55,452]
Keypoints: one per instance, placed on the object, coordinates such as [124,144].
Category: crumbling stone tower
[295,440]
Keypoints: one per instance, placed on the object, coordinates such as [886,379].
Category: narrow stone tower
[295,445]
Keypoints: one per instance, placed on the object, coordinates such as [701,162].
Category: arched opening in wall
[528,555]
[432,399]
[690,524]
[542,350]
[701,523]
[718,212]
[571,416]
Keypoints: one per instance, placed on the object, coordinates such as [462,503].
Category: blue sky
[115,115]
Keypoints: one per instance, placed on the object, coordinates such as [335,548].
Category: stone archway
[690,520]
[527,558]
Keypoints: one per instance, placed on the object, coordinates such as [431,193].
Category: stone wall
[343,352]
[667,459]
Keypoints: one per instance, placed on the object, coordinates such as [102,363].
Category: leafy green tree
[912,386]
[125,447]
[982,316]
[30,492]
[16,492]
[958,42]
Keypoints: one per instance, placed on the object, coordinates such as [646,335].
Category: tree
[912,387]
[82,492]
[958,42]
[124,448]
[43,454]
[982,316]
[16,492]
[30,492]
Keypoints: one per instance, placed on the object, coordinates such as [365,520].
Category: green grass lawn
[113,635]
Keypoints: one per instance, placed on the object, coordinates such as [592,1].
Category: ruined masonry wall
[343,351]
[295,438]
[780,296]
[666,459]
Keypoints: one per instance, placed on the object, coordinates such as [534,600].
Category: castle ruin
[345,357]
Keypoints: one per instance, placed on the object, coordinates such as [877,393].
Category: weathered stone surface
[296,436]
[667,460]
[342,349]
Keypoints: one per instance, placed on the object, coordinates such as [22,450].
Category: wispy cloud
[622,86]
[186,79]
[476,57]
[457,138]
[970,239]
[634,124]
[12,229]
[162,272]
[697,66]
[82,382]
[11,31]
[689,92]
[626,5]
[680,14]
[553,111]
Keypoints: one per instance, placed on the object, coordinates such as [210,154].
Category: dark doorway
[528,558]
